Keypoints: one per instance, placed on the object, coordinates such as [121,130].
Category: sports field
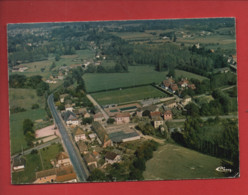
[176,162]
[127,95]
[137,75]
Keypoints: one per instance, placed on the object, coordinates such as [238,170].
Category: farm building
[167,115]
[83,148]
[62,160]
[157,121]
[19,163]
[102,134]
[122,118]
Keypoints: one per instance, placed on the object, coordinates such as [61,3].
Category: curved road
[76,160]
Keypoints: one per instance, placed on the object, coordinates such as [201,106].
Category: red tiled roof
[153,114]
[122,114]
[174,87]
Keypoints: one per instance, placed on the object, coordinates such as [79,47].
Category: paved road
[98,106]
[79,166]
[28,151]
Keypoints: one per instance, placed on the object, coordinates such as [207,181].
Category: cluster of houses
[62,171]
[170,85]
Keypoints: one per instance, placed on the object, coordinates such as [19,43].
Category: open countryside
[175,162]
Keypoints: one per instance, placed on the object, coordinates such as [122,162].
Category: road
[28,151]
[98,106]
[76,160]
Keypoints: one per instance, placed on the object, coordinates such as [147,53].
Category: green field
[25,98]
[176,162]
[49,153]
[16,132]
[127,95]
[137,75]
[33,164]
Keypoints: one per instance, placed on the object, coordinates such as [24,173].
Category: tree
[27,126]
[146,113]
[35,106]
[97,175]
[110,121]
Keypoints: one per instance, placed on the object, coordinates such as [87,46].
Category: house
[62,160]
[122,118]
[68,107]
[61,175]
[83,148]
[174,88]
[46,176]
[79,134]
[155,114]
[62,97]
[192,86]
[112,158]
[66,175]
[19,163]
[90,160]
[102,134]
[157,121]
[166,83]
[70,118]
[98,117]
[86,115]
[183,83]
[92,136]
[167,115]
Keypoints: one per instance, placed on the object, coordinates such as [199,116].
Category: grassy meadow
[137,75]
[176,162]
[16,132]
[127,95]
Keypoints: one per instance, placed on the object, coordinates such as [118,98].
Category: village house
[98,117]
[68,107]
[112,158]
[56,175]
[192,86]
[46,176]
[79,134]
[122,118]
[90,161]
[66,175]
[92,136]
[102,134]
[157,121]
[155,114]
[87,115]
[19,164]
[83,148]
[167,115]
[62,97]
[70,118]
[62,160]
[167,83]
[183,83]
[174,88]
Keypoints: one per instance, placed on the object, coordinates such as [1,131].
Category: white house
[112,157]
[79,134]
[70,118]
[63,160]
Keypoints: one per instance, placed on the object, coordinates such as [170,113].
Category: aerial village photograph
[111,101]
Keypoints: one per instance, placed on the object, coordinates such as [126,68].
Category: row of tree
[33,82]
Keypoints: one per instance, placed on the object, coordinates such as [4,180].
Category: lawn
[33,164]
[49,153]
[16,131]
[127,95]
[176,162]
[137,75]
[25,98]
